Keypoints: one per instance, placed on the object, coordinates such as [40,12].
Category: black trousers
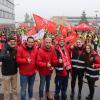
[77,73]
[91,84]
[61,84]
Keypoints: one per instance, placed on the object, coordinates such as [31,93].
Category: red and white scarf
[65,57]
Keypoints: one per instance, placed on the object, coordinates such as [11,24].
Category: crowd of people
[78,60]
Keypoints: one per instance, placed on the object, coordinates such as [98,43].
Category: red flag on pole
[63,30]
[32,31]
[51,27]
[71,38]
[40,22]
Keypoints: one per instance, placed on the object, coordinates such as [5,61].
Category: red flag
[63,30]
[51,27]
[32,31]
[40,22]
[71,38]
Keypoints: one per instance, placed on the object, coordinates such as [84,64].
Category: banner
[24,38]
[37,36]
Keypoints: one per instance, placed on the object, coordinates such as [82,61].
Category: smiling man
[46,60]
[9,68]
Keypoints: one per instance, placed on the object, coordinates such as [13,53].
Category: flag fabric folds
[51,27]
[63,30]
[32,31]
[40,22]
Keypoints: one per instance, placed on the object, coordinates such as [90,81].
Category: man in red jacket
[46,59]
[26,58]
[62,70]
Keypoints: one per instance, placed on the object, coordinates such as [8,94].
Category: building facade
[74,20]
[7,13]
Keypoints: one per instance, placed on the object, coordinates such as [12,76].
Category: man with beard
[9,68]
[46,60]
[62,70]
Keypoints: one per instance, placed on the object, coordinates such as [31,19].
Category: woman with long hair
[92,61]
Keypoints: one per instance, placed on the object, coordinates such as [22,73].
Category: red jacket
[45,56]
[22,55]
[97,62]
[64,72]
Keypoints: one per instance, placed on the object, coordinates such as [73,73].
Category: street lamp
[96,11]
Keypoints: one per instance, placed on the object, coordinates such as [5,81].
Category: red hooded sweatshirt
[45,56]
[22,55]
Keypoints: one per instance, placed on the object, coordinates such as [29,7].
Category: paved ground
[84,92]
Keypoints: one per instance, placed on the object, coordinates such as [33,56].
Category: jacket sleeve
[97,65]
[19,58]
[4,56]
[36,53]
[54,58]
[40,62]
[97,61]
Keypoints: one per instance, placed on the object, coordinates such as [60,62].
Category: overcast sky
[49,8]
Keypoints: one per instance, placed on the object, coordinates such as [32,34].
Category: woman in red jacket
[26,58]
[92,61]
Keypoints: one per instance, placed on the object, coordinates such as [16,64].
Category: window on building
[1,14]
[6,15]
[1,1]
[7,3]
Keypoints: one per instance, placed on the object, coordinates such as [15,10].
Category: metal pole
[96,19]
[96,11]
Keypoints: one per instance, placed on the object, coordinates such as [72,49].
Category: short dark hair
[30,37]
[10,38]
